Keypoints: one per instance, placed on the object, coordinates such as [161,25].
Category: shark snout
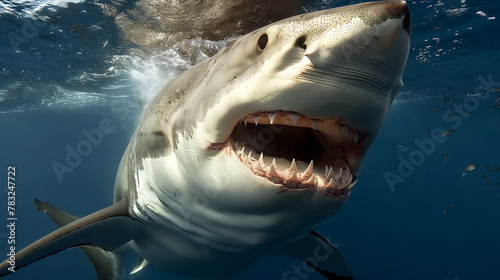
[364,32]
[400,10]
[354,61]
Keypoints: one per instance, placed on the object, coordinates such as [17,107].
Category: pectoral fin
[107,265]
[320,255]
[108,229]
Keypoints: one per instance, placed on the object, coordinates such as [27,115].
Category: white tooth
[340,173]
[256,119]
[293,166]
[314,123]
[274,162]
[326,170]
[272,116]
[261,160]
[352,185]
[309,170]
[272,171]
[259,166]
[245,121]
[344,186]
[330,174]
[293,177]
[356,137]
[242,150]
[250,155]
[330,184]
[294,117]
[311,181]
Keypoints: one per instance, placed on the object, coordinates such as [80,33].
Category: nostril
[301,42]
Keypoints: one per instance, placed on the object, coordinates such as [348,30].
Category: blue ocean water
[65,66]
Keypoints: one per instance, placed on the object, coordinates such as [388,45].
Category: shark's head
[310,92]
[314,88]
[279,121]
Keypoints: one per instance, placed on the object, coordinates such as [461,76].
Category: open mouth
[297,152]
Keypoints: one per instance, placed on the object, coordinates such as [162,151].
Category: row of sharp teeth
[293,117]
[306,177]
[314,123]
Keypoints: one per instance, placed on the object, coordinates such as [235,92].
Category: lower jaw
[333,180]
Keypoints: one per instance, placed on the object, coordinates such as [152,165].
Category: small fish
[484,176]
[497,100]
[496,89]
[445,155]
[447,132]
[447,98]
[447,208]
[452,114]
[434,110]
[469,168]
[428,131]
[491,168]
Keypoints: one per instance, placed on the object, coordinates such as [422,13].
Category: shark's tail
[107,265]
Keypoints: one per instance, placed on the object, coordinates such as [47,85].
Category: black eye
[262,43]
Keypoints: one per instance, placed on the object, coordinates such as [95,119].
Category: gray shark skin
[244,154]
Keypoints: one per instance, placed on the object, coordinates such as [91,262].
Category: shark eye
[262,43]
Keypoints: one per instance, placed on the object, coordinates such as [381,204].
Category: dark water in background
[73,69]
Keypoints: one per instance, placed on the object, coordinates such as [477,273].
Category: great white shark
[242,155]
